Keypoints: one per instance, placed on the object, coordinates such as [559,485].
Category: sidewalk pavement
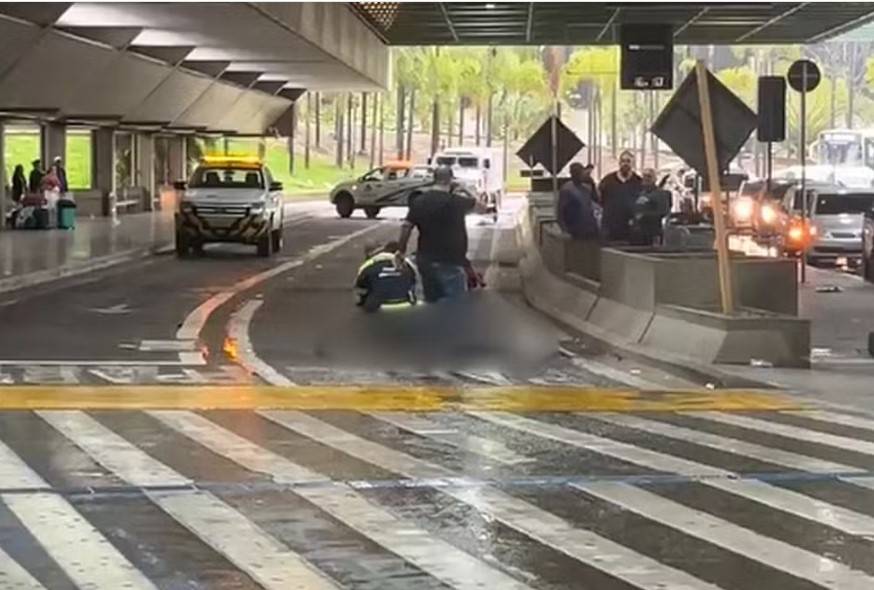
[31,257]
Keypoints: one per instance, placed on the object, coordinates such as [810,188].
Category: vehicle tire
[276,240]
[345,205]
[182,245]
[868,269]
[371,212]
[197,248]
[265,245]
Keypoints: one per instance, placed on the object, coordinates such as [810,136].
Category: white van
[481,169]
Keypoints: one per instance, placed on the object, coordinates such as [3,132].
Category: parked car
[868,246]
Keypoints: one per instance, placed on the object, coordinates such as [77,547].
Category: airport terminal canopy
[590,23]
[223,67]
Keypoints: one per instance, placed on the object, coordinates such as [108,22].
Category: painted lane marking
[729,445]
[215,523]
[472,443]
[196,320]
[795,503]
[434,556]
[238,331]
[91,561]
[610,373]
[836,418]
[771,552]
[548,529]
[190,395]
[788,431]
[15,577]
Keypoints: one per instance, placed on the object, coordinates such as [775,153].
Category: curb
[50,275]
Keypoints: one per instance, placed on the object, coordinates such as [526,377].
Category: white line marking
[729,445]
[776,554]
[218,525]
[15,473]
[238,329]
[15,577]
[111,450]
[788,431]
[485,447]
[606,371]
[273,565]
[77,547]
[795,503]
[110,363]
[196,320]
[836,418]
[434,556]
[550,530]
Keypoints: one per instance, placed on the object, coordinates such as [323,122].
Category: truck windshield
[464,161]
[847,203]
[226,177]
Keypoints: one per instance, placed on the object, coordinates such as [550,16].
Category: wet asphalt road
[528,492]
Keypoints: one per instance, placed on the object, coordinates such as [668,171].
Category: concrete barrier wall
[666,301]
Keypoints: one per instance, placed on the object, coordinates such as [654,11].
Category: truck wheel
[276,239]
[197,248]
[371,212]
[868,269]
[265,245]
[182,245]
[345,205]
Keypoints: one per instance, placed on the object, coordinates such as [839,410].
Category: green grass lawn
[23,148]
[320,177]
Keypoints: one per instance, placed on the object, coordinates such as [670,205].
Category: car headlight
[769,214]
[256,207]
[743,210]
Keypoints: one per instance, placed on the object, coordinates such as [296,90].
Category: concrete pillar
[177,155]
[103,165]
[145,167]
[53,142]
[3,180]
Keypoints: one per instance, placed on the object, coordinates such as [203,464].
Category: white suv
[230,200]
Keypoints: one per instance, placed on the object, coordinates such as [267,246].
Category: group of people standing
[624,207]
[39,180]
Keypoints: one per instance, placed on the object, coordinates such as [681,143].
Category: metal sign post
[804,76]
[802,148]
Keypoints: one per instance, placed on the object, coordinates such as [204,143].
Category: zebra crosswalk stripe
[78,548]
[478,445]
[777,554]
[434,556]
[15,577]
[835,418]
[795,503]
[211,520]
[587,547]
[788,431]
[729,445]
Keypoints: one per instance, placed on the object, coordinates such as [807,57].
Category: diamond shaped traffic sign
[679,124]
[538,148]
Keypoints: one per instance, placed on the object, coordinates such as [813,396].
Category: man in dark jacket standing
[439,215]
[619,191]
[575,209]
[651,207]
[35,178]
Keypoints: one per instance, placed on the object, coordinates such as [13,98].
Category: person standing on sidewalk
[35,179]
[19,184]
[439,215]
[61,173]
[618,192]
